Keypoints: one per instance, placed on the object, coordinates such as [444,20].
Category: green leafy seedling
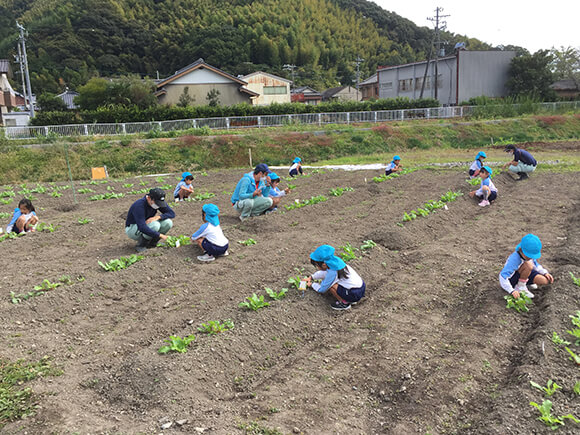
[254,302]
[46,285]
[576,280]
[520,304]
[348,252]
[248,242]
[55,194]
[85,190]
[276,296]
[552,421]
[557,340]
[176,344]
[340,190]
[128,185]
[577,388]
[84,221]
[294,281]
[177,241]
[203,196]
[367,244]
[46,227]
[215,326]
[550,388]
[573,356]
[121,263]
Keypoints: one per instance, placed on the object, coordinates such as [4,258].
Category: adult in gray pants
[250,197]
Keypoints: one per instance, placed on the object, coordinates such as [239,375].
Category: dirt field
[431,349]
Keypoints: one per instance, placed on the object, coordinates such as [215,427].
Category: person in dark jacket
[144,225]
[522,163]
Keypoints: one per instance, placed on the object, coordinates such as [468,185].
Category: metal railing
[261,121]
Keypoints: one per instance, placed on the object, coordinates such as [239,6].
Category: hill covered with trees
[71,41]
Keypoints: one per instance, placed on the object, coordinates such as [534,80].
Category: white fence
[236,122]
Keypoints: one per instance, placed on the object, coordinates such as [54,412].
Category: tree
[212,98]
[566,63]
[51,103]
[530,75]
[185,99]
[93,94]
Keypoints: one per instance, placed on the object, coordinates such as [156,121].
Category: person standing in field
[251,196]
[144,225]
[522,163]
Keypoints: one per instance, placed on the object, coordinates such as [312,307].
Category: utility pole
[22,40]
[291,68]
[21,62]
[439,25]
[358,61]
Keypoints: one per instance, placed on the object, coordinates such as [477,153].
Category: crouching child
[339,279]
[210,237]
[487,191]
[522,268]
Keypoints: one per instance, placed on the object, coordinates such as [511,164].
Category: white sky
[530,24]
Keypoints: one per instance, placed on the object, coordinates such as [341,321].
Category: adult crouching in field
[523,162]
[144,225]
[250,197]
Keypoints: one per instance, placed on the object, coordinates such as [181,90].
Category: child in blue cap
[275,193]
[210,236]
[296,167]
[183,188]
[337,277]
[477,164]
[522,269]
[394,166]
[487,191]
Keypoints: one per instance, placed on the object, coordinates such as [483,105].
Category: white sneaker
[533,286]
[176,199]
[206,258]
[522,288]
[226,254]
[484,203]
[528,293]
[243,218]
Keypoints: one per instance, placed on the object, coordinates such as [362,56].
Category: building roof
[370,81]
[329,93]
[565,85]
[282,79]
[68,97]
[306,90]
[422,62]
[5,67]
[199,63]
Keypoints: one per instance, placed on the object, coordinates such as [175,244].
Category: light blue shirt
[181,184]
[246,187]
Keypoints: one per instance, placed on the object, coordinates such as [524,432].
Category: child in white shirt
[210,236]
[487,191]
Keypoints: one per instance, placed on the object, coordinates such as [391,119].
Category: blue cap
[297,160]
[273,176]
[480,154]
[531,246]
[488,170]
[325,253]
[185,174]
[262,167]
[211,214]
[396,158]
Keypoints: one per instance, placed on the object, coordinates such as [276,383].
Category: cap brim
[160,203]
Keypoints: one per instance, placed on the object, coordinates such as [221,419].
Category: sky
[530,24]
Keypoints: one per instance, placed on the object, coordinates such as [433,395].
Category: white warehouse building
[460,77]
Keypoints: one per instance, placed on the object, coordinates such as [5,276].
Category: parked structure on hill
[306,95]
[341,93]
[269,87]
[198,81]
[459,77]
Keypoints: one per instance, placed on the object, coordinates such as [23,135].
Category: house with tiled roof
[369,88]
[68,97]
[199,79]
[306,95]
[341,93]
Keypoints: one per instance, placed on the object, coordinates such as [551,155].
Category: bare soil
[431,349]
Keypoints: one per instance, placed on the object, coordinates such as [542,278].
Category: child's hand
[549,277]
[516,294]
[287,191]
[308,281]
[472,194]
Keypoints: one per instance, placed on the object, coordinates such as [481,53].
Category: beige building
[199,80]
[7,95]
[271,88]
[341,93]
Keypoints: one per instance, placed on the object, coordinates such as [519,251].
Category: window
[275,90]
[387,86]
[406,85]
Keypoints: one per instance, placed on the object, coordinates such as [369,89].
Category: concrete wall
[257,83]
[348,94]
[483,73]
[229,93]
